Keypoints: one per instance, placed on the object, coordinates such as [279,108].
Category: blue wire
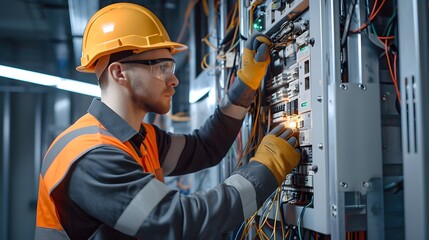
[301,216]
[238,232]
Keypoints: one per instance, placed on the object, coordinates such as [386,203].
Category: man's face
[152,82]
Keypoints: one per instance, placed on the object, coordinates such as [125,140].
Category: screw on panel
[319,98]
[311,41]
[344,86]
[363,87]
[314,168]
[320,145]
[333,211]
[343,184]
[366,184]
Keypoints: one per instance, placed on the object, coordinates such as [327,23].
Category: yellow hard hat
[123,26]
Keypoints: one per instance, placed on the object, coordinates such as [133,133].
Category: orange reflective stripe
[61,143]
[46,215]
[74,150]
[151,153]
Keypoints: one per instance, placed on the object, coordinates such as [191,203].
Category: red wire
[269,225]
[362,235]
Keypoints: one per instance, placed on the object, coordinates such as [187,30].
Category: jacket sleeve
[181,154]
[113,189]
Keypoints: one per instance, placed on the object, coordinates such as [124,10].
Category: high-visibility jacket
[86,134]
[93,184]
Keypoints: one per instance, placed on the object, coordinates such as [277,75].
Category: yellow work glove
[277,152]
[254,61]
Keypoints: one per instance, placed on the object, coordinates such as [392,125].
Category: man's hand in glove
[255,60]
[277,152]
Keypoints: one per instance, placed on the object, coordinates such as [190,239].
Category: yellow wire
[205,7]
[233,38]
[287,233]
[246,227]
[233,16]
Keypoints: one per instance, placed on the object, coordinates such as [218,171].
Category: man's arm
[180,154]
[185,153]
[113,189]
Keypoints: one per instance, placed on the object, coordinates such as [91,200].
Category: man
[102,178]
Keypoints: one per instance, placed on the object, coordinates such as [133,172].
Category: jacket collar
[114,123]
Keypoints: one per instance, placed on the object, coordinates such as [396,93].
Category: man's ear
[117,72]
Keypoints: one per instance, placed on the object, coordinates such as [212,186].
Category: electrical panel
[324,82]
[290,99]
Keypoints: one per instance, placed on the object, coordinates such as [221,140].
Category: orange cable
[392,75]
[373,8]
[396,76]
[371,17]
[386,37]
[191,5]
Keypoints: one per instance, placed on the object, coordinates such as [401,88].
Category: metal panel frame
[6,166]
[354,139]
[414,61]
[317,218]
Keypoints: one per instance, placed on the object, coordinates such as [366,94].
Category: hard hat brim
[174,48]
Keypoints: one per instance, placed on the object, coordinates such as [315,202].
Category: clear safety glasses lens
[160,68]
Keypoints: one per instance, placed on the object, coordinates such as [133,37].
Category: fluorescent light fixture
[49,80]
[79,87]
[28,76]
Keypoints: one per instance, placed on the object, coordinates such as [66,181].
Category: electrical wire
[189,7]
[249,221]
[392,74]
[371,17]
[301,216]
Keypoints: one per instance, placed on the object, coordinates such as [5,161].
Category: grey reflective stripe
[232,110]
[62,142]
[173,154]
[140,207]
[50,234]
[247,193]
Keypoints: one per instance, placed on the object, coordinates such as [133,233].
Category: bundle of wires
[272,202]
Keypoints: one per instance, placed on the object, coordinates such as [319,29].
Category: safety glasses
[160,68]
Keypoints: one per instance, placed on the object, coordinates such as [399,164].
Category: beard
[149,103]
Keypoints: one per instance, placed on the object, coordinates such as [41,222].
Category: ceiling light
[49,80]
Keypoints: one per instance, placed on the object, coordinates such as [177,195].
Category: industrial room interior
[348,75]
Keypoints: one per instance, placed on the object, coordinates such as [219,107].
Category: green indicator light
[258,26]
[304,104]
[303,48]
